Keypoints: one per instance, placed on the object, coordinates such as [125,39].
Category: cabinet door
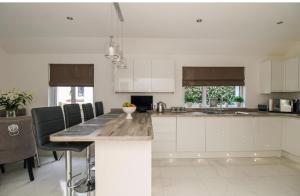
[277,76]
[268,133]
[291,137]
[265,77]
[163,76]
[164,129]
[190,134]
[124,78]
[215,134]
[142,76]
[291,74]
[239,134]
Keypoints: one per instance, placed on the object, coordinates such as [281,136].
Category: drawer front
[164,124]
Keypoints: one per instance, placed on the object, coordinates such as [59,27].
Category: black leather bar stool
[49,120]
[88,112]
[99,108]
[73,117]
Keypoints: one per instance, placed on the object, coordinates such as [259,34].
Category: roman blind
[213,76]
[71,75]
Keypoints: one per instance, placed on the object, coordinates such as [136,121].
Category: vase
[10,113]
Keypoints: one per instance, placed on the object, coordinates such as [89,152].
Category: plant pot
[189,104]
[238,104]
[10,113]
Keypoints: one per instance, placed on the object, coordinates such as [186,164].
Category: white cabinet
[164,129]
[239,134]
[190,134]
[230,134]
[124,78]
[291,72]
[265,77]
[163,76]
[277,75]
[142,76]
[268,133]
[291,136]
[215,134]
[146,76]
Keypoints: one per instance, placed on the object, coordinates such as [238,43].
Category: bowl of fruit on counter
[129,108]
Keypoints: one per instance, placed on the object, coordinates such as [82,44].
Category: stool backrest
[72,115]
[99,108]
[46,121]
[16,139]
[88,112]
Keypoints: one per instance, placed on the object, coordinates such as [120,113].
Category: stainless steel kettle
[160,107]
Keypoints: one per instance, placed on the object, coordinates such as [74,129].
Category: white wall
[30,72]
[3,67]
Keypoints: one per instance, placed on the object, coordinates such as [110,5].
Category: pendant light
[121,62]
[111,48]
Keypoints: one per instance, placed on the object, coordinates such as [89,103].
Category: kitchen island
[122,152]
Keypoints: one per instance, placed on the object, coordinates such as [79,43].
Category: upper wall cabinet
[142,75]
[146,76]
[124,78]
[279,76]
[163,76]
[291,73]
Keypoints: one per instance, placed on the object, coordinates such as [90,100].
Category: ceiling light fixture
[279,22]
[111,48]
[69,18]
[199,20]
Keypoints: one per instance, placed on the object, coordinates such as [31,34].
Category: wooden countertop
[109,127]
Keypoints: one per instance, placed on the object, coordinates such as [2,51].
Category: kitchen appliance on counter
[160,107]
[281,105]
[262,107]
[178,109]
[143,103]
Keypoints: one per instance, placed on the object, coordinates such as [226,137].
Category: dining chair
[88,112]
[72,114]
[99,108]
[17,142]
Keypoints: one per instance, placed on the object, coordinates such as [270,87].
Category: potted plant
[13,100]
[238,100]
[189,100]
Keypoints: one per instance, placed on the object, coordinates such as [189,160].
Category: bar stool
[49,120]
[73,117]
[99,108]
[88,112]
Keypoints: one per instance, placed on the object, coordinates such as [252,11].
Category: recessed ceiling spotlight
[199,20]
[279,22]
[69,18]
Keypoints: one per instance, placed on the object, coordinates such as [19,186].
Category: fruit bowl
[129,111]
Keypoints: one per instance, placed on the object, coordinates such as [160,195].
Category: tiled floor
[175,177]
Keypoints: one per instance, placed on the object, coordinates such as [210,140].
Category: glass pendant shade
[121,62]
[111,50]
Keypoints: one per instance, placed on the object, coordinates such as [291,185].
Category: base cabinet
[291,136]
[268,133]
[164,129]
[190,134]
[229,134]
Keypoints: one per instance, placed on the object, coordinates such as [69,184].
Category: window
[66,95]
[211,96]
[212,86]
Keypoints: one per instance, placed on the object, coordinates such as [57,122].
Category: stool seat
[63,146]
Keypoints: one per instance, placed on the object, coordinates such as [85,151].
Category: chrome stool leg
[87,184]
[68,159]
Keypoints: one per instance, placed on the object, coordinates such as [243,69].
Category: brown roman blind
[71,75]
[213,76]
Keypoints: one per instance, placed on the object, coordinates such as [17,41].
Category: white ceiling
[241,22]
